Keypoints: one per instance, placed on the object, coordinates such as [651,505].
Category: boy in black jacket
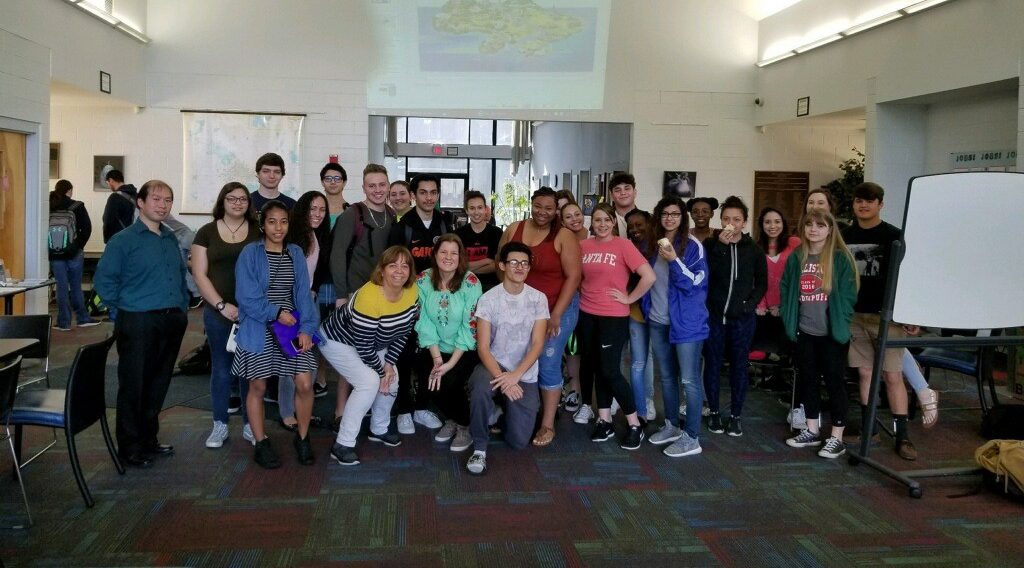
[738,278]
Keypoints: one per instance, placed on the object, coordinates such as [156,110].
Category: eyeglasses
[671,215]
[232,199]
[332,179]
[514,264]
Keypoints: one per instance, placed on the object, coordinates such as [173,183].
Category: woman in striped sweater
[363,340]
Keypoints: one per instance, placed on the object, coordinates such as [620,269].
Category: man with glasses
[511,328]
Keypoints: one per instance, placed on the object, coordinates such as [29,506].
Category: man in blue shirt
[141,273]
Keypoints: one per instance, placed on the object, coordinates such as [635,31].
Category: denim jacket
[255,312]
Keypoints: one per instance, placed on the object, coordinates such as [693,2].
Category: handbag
[287,336]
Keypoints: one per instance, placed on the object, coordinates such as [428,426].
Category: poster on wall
[679,184]
[223,146]
[101,166]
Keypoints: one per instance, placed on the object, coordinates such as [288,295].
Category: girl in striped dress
[363,340]
[272,282]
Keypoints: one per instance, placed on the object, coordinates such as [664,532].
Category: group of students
[418,318]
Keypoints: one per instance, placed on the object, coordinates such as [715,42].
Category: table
[15,346]
[10,291]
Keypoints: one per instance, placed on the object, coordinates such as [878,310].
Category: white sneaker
[447,432]
[797,418]
[584,415]
[217,435]
[477,463]
[462,440]
[405,425]
[427,419]
[247,434]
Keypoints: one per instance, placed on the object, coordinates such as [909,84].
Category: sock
[901,426]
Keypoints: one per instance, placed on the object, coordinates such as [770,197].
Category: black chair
[81,405]
[8,389]
[35,327]
[965,361]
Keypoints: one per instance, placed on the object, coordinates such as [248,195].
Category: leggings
[601,341]
[817,357]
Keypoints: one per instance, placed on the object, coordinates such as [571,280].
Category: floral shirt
[448,319]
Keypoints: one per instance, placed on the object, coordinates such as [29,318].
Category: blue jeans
[641,368]
[221,379]
[68,274]
[549,366]
[739,332]
[679,362]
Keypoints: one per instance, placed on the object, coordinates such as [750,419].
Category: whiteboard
[223,147]
[964,262]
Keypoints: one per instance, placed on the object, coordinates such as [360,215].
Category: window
[438,130]
[480,176]
[481,132]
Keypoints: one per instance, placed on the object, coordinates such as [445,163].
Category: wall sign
[803,106]
[982,159]
[105,82]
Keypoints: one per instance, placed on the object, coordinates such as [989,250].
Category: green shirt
[448,319]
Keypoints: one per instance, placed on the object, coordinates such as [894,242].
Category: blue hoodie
[687,294]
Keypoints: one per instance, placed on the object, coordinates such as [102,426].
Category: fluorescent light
[823,41]
[922,6]
[98,13]
[776,59]
[872,23]
[132,32]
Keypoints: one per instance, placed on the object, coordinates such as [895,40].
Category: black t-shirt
[258,201]
[480,246]
[410,233]
[871,249]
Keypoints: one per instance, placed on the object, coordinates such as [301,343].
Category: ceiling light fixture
[109,18]
[914,8]
[872,23]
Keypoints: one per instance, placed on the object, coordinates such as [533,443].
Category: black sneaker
[715,423]
[634,437]
[388,439]
[833,448]
[265,455]
[234,405]
[602,432]
[319,390]
[304,450]
[344,455]
[734,428]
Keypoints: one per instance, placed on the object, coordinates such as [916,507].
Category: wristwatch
[220,306]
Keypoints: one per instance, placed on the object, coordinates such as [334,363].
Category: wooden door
[785,191]
[12,208]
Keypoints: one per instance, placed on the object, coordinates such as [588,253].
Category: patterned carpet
[748,501]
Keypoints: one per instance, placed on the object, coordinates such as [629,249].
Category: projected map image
[506,36]
[481,54]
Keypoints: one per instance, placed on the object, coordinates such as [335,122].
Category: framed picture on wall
[100,166]
[679,184]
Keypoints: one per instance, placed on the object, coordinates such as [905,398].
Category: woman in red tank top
[555,272]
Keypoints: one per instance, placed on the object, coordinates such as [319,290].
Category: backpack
[63,229]
[360,229]
[135,209]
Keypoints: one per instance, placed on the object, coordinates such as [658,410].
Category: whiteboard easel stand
[860,455]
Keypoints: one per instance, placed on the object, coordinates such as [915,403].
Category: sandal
[544,437]
[929,400]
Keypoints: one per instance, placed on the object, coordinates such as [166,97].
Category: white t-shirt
[512,318]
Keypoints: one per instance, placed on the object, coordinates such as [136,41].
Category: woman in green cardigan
[819,288]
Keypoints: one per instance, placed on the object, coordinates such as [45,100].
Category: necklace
[233,231]
[374,220]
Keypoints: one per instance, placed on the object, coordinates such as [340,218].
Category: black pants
[452,399]
[820,357]
[147,348]
[601,339]
[412,387]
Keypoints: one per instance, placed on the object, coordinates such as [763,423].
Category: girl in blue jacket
[272,282]
[677,318]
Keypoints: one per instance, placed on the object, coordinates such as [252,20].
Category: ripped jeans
[549,366]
